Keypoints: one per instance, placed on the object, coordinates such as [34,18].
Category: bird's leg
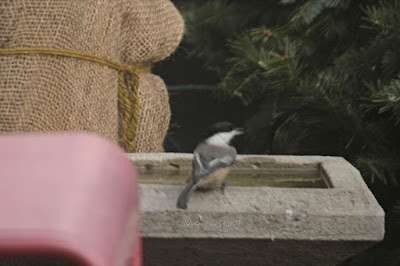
[223,187]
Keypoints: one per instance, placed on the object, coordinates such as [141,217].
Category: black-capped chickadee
[211,160]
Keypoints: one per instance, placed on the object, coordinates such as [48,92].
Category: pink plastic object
[73,196]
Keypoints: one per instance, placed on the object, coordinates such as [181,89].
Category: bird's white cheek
[222,139]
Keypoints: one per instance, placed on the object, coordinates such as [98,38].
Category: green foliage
[210,24]
[351,83]
[340,57]
[307,12]
[270,68]
[387,98]
[383,18]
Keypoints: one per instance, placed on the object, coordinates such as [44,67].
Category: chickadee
[211,160]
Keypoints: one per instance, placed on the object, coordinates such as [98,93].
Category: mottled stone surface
[260,225]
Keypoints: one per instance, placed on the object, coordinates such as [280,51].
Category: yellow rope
[128,85]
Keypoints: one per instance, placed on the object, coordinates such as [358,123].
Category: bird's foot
[223,187]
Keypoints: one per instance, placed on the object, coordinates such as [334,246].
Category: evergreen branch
[268,64]
[387,99]
[282,119]
[240,87]
[306,14]
[383,168]
[383,18]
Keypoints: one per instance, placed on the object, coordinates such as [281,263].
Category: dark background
[194,108]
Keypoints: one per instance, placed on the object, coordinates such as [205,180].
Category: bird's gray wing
[206,159]
[203,164]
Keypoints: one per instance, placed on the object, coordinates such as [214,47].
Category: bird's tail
[184,196]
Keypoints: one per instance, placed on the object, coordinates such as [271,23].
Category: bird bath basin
[276,210]
[241,176]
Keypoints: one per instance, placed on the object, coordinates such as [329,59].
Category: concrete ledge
[275,225]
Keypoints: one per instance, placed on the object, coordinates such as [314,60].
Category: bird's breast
[214,179]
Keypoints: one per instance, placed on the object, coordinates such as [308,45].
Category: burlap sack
[50,93]
[159,30]
[54,93]
[154,114]
[152,30]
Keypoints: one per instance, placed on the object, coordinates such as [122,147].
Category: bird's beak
[239,131]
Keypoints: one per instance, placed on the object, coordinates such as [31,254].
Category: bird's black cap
[221,127]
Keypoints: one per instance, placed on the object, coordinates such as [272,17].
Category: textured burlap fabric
[55,93]
[49,93]
[152,30]
[154,105]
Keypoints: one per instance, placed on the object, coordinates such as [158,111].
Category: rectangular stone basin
[241,176]
[276,210]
